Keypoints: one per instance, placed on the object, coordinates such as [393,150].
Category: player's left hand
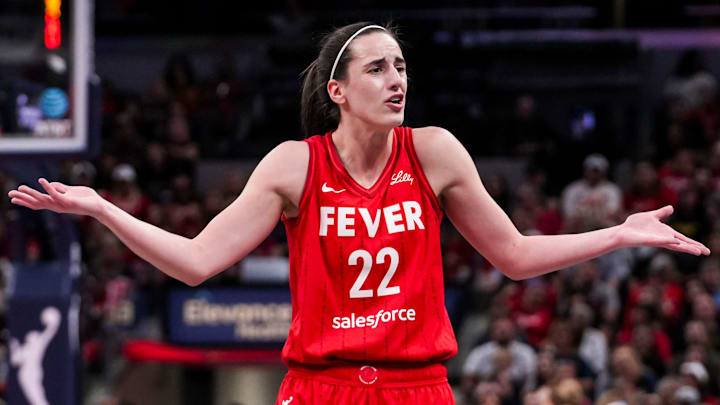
[646,229]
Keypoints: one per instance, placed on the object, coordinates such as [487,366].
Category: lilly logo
[400,177]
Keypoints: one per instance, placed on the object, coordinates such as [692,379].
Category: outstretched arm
[453,175]
[275,185]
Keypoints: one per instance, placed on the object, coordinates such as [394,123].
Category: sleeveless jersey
[365,266]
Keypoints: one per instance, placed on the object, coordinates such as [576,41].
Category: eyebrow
[381,60]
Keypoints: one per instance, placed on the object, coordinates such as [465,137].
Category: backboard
[48,91]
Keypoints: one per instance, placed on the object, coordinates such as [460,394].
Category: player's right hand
[60,198]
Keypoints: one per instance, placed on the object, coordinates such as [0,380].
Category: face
[375,76]
[645,175]
[503,331]
[696,333]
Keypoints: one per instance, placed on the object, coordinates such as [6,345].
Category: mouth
[395,102]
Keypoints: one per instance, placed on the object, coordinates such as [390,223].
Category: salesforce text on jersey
[372,321]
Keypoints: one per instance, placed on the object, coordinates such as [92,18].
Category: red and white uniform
[365,267]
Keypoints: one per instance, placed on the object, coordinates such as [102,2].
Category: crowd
[632,327]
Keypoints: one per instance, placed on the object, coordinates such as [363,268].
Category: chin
[386,122]
[395,121]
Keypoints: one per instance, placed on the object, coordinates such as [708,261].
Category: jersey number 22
[367,259]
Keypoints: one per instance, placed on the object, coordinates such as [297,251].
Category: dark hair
[318,113]
[691,62]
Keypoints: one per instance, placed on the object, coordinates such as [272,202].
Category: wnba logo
[28,356]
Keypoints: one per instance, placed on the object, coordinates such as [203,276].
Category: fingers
[25,203]
[663,212]
[685,248]
[36,195]
[29,197]
[61,188]
[49,188]
[22,197]
[695,243]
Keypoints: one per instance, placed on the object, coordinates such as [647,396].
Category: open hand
[60,198]
[645,229]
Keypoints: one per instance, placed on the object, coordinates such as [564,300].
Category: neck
[362,147]
[363,151]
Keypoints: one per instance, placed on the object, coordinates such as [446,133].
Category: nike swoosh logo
[326,189]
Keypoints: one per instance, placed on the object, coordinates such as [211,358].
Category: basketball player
[362,200]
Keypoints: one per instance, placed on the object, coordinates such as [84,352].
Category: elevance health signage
[229,316]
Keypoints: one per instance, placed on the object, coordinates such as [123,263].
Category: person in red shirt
[361,199]
[647,193]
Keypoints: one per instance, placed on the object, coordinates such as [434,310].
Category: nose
[396,79]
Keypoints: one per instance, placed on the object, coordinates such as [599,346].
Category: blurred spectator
[616,396]
[714,242]
[546,367]
[696,336]
[687,395]
[710,277]
[701,354]
[689,216]
[584,287]
[704,310]
[568,363]
[647,193]
[695,375]
[538,215]
[498,388]
[593,201]
[548,218]
[691,85]
[182,151]
[179,80]
[531,307]
[629,374]
[484,362]
[125,139]
[155,170]
[657,300]
[82,173]
[703,182]
[224,118]
[690,112]
[653,346]
[184,209]
[667,387]
[677,173]
[125,192]
[593,348]
[458,256]
[568,391]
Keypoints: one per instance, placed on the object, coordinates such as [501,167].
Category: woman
[362,206]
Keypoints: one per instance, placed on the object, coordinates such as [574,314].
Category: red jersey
[365,267]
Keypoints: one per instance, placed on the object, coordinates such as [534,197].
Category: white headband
[337,59]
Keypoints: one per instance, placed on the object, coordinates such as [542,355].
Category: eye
[376,70]
[400,69]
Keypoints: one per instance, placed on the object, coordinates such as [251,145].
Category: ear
[335,91]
